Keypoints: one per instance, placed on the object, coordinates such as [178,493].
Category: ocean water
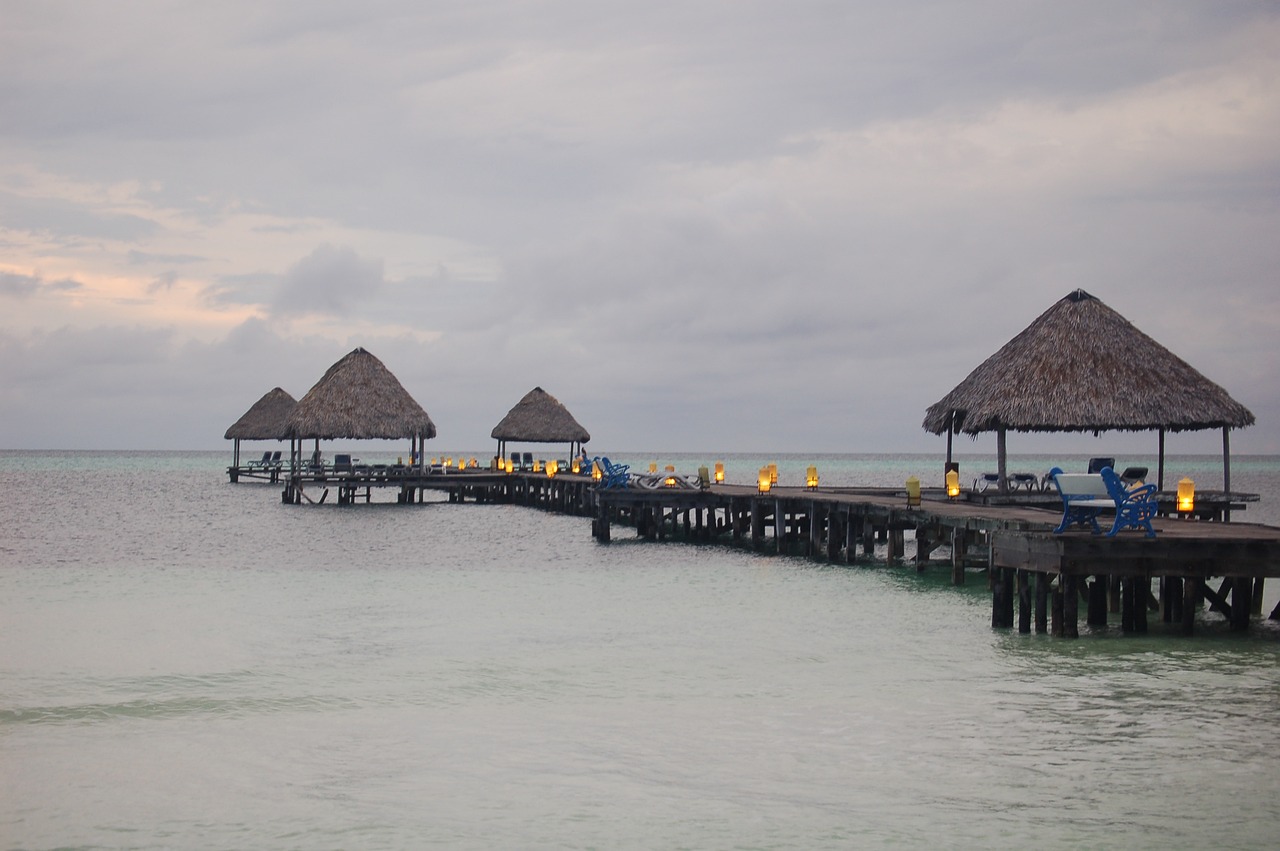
[186,663]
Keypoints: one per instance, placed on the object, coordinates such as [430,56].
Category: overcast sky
[702,225]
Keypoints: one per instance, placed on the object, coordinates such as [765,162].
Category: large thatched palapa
[1080,366]
[539,418]
[265,420]
[359,399]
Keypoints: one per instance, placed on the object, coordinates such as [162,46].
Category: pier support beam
[1024,602]
[1190,597]
[959,546]
[1070,606]
[1042,602]
[1097,615]
[1241,603]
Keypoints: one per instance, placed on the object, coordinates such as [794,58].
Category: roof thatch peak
[1081,366]
[358,398]
[540,418]
[265,420]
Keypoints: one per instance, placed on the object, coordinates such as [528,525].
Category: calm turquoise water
[190,664]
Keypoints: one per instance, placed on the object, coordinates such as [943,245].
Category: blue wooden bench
[1086,495]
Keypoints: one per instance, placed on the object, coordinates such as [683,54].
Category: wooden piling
[1070,606]
[1097,612]
[1190,594]
[1042,597]
[1024,602]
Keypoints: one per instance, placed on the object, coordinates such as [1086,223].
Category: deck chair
[274,463]
[1096,464]
[615,475]
[986,480]
[266,459]
[1026,481]
[1133,475]
[526,462]
[342,464]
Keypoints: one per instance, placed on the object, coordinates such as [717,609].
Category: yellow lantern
[669,481]
[553,467]
[653,466]
[597,474]
[575,466]
[474,462]
[537,466]
[719,472]
[1186,494]
[811,477]
[773,473]
[765,481]
[953,484]
[913,490]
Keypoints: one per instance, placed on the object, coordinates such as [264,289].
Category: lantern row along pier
[1039,580]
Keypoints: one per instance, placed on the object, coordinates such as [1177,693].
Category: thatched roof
[359,398]
[265,420]
[1083,367]
[540,418]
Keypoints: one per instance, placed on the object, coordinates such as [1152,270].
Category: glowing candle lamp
[1186,494]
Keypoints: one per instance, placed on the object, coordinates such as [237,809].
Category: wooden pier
[1029,568]
[1038,580]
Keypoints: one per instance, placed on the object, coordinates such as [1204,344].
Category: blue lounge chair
[615,475]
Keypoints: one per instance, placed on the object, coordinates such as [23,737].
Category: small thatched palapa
[1080,366]
[266,419]
[539,418]
[359,399]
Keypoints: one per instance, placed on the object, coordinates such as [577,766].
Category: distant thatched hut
[1081,366]
[540,418]
[265,420]
[359,399]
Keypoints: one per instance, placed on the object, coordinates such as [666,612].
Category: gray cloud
[23,286]
[700,224]
[330,280]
